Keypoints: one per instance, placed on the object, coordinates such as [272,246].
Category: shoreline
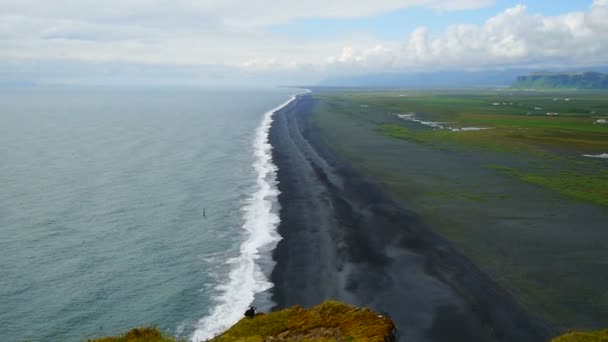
[345,239]
[248,281]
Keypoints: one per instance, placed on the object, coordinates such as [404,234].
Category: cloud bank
[233,37]
[235,13]
[513,38]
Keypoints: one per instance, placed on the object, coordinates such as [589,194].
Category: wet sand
[345,238]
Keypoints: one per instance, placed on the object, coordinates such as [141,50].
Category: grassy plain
[517,123]
[518,198]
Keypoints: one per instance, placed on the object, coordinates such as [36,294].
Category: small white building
[552,114]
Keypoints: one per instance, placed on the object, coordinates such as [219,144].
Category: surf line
[261,215]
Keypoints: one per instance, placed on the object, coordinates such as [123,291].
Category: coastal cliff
[329,321]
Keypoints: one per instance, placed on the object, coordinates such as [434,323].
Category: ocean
[134,206]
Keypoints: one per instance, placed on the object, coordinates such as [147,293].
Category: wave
[247,277]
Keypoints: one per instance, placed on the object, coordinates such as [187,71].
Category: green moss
[597,336]
[585,187]
[143,334]
[515,122]
[329,321]
[472,197]
[399,132]
[590,186]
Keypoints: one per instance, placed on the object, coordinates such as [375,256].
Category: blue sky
[291,41]
[392,25]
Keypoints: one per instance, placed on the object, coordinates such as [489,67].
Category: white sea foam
[247,277]
[602,155]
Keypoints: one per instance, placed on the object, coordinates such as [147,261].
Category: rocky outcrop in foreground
[330,321]
[598,336]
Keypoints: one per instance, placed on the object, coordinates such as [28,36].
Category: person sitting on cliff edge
[250,313]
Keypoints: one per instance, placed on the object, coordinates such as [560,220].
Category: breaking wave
[261,214]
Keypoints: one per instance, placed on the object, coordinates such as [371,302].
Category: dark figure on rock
[250,313]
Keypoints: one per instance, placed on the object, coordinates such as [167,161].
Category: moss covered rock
[138,335]
[596,336]
[330,321]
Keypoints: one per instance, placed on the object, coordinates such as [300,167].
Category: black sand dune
[343,238]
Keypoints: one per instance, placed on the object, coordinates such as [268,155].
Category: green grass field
[514,126]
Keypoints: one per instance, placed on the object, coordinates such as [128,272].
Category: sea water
[127,207]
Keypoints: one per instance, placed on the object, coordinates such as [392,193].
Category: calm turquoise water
[102,193]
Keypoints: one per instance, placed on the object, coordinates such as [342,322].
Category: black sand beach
[344,238]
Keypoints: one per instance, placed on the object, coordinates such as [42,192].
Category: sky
[290,41]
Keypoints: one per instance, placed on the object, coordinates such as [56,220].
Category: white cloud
[235,34]
[235,13]
[227,32]
[513,38]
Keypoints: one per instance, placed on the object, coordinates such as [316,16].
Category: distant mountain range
[455,79]
[439,79]
[581,80]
